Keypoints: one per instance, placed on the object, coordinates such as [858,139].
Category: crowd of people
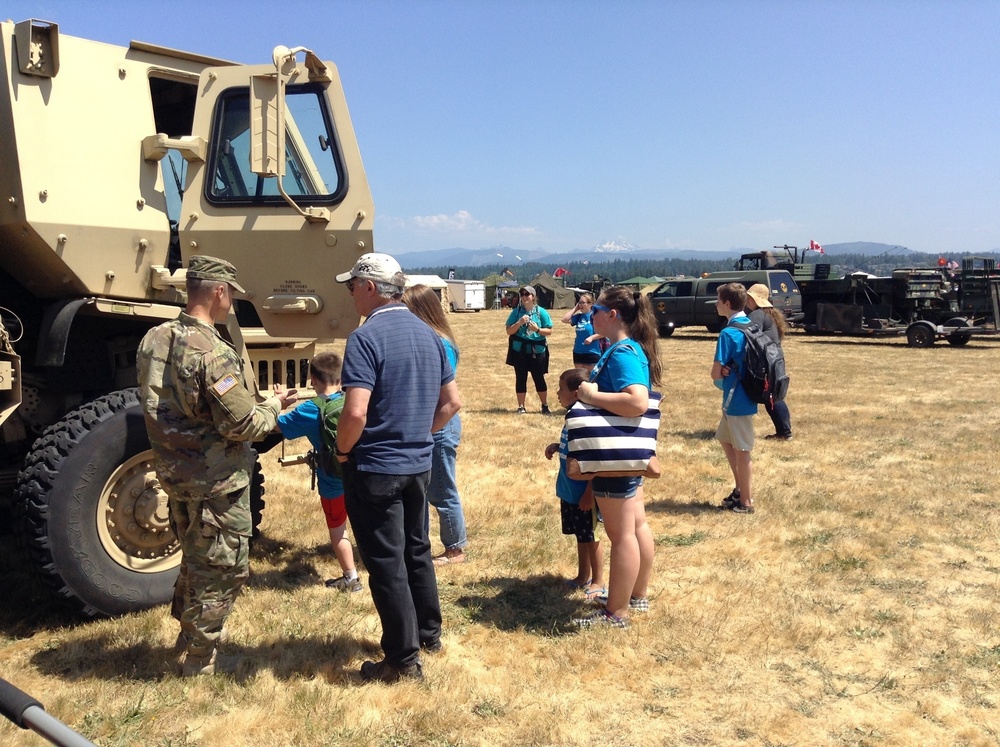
[397,436]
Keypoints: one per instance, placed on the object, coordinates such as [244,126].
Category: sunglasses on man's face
[524,293]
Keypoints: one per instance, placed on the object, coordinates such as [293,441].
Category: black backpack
[764,378]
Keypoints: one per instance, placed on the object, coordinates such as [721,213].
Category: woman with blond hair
[773,324]
[587,346]
[442,492]
[620,383]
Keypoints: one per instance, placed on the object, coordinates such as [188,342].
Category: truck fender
[54,334]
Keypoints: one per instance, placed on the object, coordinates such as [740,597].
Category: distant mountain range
[608,251]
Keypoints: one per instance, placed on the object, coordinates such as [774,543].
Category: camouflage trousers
[214,535]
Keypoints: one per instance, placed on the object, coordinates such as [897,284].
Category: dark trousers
[388,518]
[781,418]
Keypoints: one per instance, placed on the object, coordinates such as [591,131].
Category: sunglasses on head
[598,307]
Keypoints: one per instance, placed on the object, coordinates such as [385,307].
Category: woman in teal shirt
[528,326]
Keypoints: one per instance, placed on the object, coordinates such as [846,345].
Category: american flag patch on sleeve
[224,384]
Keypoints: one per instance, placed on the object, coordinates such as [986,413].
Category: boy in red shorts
[304,420]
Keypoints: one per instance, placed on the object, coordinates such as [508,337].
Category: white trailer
[467,295]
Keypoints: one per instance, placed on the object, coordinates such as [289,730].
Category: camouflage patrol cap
[204,267]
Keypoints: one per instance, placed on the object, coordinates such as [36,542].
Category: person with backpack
[735,431]
[772,322]
[316,419]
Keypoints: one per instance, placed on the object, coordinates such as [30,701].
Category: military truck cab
[690,302]
[119,164]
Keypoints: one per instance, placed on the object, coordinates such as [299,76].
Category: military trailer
[924,303]
[119,164]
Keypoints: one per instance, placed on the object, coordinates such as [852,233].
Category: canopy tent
[550,294]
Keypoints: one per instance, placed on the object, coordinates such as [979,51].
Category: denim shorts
[619,488]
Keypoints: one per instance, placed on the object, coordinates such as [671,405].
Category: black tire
[84,483]
[920,335]
[666,330]
[958,339]
[715,327]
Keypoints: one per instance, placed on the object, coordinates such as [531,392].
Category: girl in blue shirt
[620,383]
[442,492]
[587,346]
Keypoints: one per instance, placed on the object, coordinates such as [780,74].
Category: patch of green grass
[489,708]
[681,540]
[987,657]
[819,539]
[840,565]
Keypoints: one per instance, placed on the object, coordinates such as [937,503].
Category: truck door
[286,260]
[673,303]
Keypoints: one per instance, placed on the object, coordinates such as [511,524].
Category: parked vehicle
[467,295]
[118,165]
[690,302]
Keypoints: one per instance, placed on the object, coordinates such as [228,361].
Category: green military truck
[690,302]
[119,163]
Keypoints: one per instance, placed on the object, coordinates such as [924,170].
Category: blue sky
[713,125]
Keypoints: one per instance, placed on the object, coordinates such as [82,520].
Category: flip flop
[592,592]
[572,584]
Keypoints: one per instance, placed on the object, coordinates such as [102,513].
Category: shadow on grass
[703,435]
[334,659]
[541,605]
[295,564]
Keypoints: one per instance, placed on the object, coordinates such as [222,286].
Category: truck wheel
[665,330]
[920,335]
[92,513]
[957,338]
[715,328]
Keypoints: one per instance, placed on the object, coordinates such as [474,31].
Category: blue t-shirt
[403,363]
[524,335]
[567,489]
[452,352]
[584,329]
[622,365]
[304,421]
[729,352]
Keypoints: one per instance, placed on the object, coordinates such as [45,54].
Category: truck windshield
[313,167]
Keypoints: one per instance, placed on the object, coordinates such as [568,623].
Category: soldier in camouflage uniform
[200,418]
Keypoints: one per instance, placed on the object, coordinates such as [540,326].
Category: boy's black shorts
[580,523]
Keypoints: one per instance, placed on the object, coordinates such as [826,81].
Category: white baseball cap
[378,267]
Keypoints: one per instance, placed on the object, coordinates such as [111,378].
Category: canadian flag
[813,246]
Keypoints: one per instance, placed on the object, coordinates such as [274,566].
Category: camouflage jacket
[199,415]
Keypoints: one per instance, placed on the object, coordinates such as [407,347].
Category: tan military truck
[119,163]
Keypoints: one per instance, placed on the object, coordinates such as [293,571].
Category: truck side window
[313,167]
[783,283]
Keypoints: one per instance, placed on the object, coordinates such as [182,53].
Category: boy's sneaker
[739,508]
[601,619]
[344,584]
[640,604]
[521,410]
[731,501]
[546,410]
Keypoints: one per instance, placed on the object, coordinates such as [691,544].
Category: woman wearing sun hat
[772,322]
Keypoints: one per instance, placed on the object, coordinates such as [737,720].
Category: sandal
[592,592]
[449,557]
[572,584]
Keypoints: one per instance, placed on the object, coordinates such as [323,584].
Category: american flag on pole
[813,246]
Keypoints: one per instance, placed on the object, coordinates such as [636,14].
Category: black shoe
[432,646]
[546,410]
[731,501]
[381,671]
[779,437]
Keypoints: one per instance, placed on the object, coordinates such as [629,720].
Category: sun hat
[203,267]
[761,295]
[375,266]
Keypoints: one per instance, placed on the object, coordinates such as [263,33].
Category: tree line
[621,268]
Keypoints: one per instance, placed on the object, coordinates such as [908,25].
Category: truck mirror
[267,154]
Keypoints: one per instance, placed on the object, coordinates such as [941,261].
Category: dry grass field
[858,606]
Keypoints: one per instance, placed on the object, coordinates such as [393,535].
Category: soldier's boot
[196,664]
[181,644]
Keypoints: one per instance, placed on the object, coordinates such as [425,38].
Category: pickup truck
[690,302]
